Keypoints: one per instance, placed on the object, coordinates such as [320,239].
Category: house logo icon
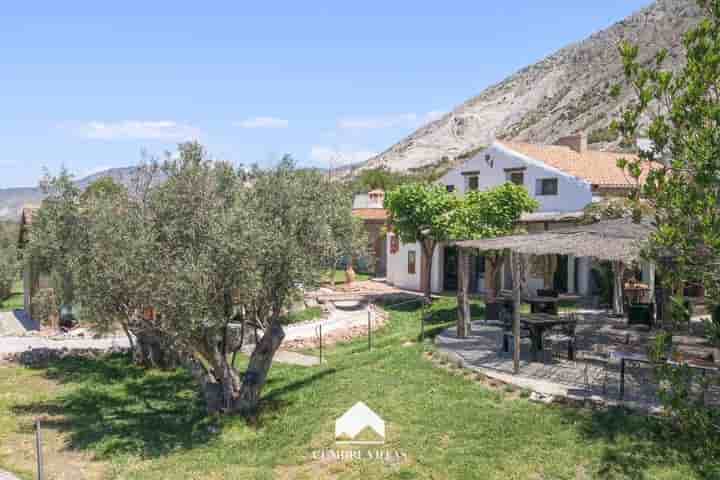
[360,426]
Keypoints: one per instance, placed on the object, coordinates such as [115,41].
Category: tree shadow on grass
[634,444]
[117,408]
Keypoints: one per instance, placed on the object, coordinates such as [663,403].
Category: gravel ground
[338,319]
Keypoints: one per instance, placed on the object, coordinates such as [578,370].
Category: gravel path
[338,319]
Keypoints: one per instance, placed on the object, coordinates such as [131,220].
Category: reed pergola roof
[618,240]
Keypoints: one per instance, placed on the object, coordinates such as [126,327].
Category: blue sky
[92,84]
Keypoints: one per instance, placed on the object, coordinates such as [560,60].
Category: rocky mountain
[12,200]
[566,92]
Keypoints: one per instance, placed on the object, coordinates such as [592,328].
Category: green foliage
[601,135]
[348,237]
[55,233]
[420,212]
[209,246]
[305,315]
[682,181]
[104,187]
[383,178]
[430,214]
[9,266]
[615,208]
[491,213]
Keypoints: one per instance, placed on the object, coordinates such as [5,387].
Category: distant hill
[563,93]
[12,200]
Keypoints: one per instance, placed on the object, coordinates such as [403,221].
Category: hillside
[565,92]
[13,199]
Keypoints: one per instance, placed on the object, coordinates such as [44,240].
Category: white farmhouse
[564,178]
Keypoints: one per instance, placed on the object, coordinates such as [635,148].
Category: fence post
[38,450]
[370,310]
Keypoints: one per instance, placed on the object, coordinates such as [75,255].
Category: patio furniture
[563,334]
[539,322]
[641,314]
[508,334]
[599,355]
[627,356]
[542,304]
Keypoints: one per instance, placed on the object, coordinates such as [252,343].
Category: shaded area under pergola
[618,241]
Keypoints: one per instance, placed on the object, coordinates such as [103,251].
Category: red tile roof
[598,168]
[370,213]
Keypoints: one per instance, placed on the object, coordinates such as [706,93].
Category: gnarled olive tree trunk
[258,367]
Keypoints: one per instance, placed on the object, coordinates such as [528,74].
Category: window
[473,182]
[547,186]
[518,178]
[411,262]
[450,188]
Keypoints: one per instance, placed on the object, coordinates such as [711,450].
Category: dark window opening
[547,186]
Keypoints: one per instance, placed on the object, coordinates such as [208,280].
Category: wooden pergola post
[516,261]
[463,320]
[618,268]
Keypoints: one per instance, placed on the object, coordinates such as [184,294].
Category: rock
[541,398]
[565,92]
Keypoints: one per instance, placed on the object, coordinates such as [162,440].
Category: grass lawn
[15,300]
[110,420]
[306,315]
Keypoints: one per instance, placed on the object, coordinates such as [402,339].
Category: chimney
[577,142]
[375,199]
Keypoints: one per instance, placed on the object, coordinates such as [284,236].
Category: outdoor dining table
[537,323]
[540,304]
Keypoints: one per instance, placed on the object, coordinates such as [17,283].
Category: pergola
[618,241]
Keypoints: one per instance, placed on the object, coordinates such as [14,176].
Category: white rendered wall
[573,193]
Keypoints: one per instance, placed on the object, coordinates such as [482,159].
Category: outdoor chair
[508,335]
[562,335]
[600,355]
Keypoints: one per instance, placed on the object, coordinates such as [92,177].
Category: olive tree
[681,173]
[54,236]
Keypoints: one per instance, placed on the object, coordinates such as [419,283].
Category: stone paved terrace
[590,376]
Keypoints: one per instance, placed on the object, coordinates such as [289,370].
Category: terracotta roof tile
[370,213]
[598,168]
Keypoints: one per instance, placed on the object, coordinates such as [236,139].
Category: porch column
[571,274]
[618,271]
[583,286]
[648,278]
[463,319]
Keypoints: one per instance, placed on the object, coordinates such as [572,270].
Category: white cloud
[387,121]
[263,122]
[138,130]
[328,156]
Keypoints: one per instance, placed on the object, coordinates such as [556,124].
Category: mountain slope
[12,200]
[566,92]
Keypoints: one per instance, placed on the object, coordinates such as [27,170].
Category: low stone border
[491,380]
[41,357]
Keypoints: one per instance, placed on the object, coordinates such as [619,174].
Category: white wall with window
[555,190]
[402,257]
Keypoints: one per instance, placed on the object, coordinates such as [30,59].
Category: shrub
[45,306]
